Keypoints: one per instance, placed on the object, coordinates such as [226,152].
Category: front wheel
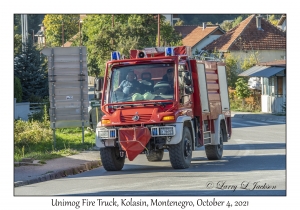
[215,152]
[181,153]
[111,159]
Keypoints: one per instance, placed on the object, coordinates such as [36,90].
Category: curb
[261,117]
[61,173]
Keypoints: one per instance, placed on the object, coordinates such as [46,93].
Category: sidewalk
[259,116]
[27,173]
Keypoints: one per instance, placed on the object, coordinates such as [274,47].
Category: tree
[17,42]
[103,34]
[231,70]
[60,28]
[17,89]
[31,69]
[273,20]
[242,90]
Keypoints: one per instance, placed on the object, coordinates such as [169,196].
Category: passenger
[130,84]
[169,77]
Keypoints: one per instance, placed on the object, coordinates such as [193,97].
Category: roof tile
[246,36]
[198,34]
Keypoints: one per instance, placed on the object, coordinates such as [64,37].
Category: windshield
[145,82]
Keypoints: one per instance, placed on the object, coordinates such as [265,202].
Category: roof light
[115,55]
[169,51]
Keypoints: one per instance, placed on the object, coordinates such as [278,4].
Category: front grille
[142,118]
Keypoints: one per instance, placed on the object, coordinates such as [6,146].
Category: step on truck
[162,99]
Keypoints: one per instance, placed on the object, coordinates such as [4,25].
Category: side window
[184,98]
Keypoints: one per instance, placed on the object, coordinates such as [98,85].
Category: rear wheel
[181,153]
[215,152]
[111,159]
[156,155]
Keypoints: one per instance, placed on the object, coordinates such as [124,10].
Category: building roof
[199,33]
[246,36]
[185,30]
[265,69]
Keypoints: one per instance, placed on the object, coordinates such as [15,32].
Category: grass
[236,105]
[35,140]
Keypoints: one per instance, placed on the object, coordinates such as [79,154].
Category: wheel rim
[187,148]
[220,146]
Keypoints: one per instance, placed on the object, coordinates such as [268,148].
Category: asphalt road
[254,163]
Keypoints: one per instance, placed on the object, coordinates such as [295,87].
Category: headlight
[163,131]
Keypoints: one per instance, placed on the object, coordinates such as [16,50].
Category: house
[41,41]
[185,30]
[273,84]
[202,36]
[282,23]
[253,35]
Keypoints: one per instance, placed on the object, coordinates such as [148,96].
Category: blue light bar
[115,55]
[169,51]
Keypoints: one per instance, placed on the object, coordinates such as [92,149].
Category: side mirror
[98,87]
[188,89]
[187,78]
[99,83]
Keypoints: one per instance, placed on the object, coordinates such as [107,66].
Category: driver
[127,86]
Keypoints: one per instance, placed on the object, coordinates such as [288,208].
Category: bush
[17,89]
[31,132]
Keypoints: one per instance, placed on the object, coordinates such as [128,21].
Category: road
[253,163]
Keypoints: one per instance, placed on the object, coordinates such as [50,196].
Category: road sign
[95,103]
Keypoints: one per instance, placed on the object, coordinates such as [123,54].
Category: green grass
[34,139]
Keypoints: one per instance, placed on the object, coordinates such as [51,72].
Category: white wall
[21,110]
[263,55]
[204,42]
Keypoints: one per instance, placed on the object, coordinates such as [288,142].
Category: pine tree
[30,68]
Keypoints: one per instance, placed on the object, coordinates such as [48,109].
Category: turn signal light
[168,118]
[104,122]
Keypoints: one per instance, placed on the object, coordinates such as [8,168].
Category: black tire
[215,152]
[156,155]
[111,159]
[181,153]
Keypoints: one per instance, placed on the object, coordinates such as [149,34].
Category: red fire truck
[162,99]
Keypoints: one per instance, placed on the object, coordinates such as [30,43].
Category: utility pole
[24,26]
[80,43]
[62,34]
[158,30]
[113,25]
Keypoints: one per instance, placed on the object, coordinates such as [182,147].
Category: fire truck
[162,99]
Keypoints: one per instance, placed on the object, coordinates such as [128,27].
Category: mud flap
[134,140]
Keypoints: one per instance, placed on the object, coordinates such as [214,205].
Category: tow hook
[122,153]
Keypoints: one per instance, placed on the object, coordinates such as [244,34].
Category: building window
[279,89]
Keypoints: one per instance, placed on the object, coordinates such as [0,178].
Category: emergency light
[115,55]
[169,51]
